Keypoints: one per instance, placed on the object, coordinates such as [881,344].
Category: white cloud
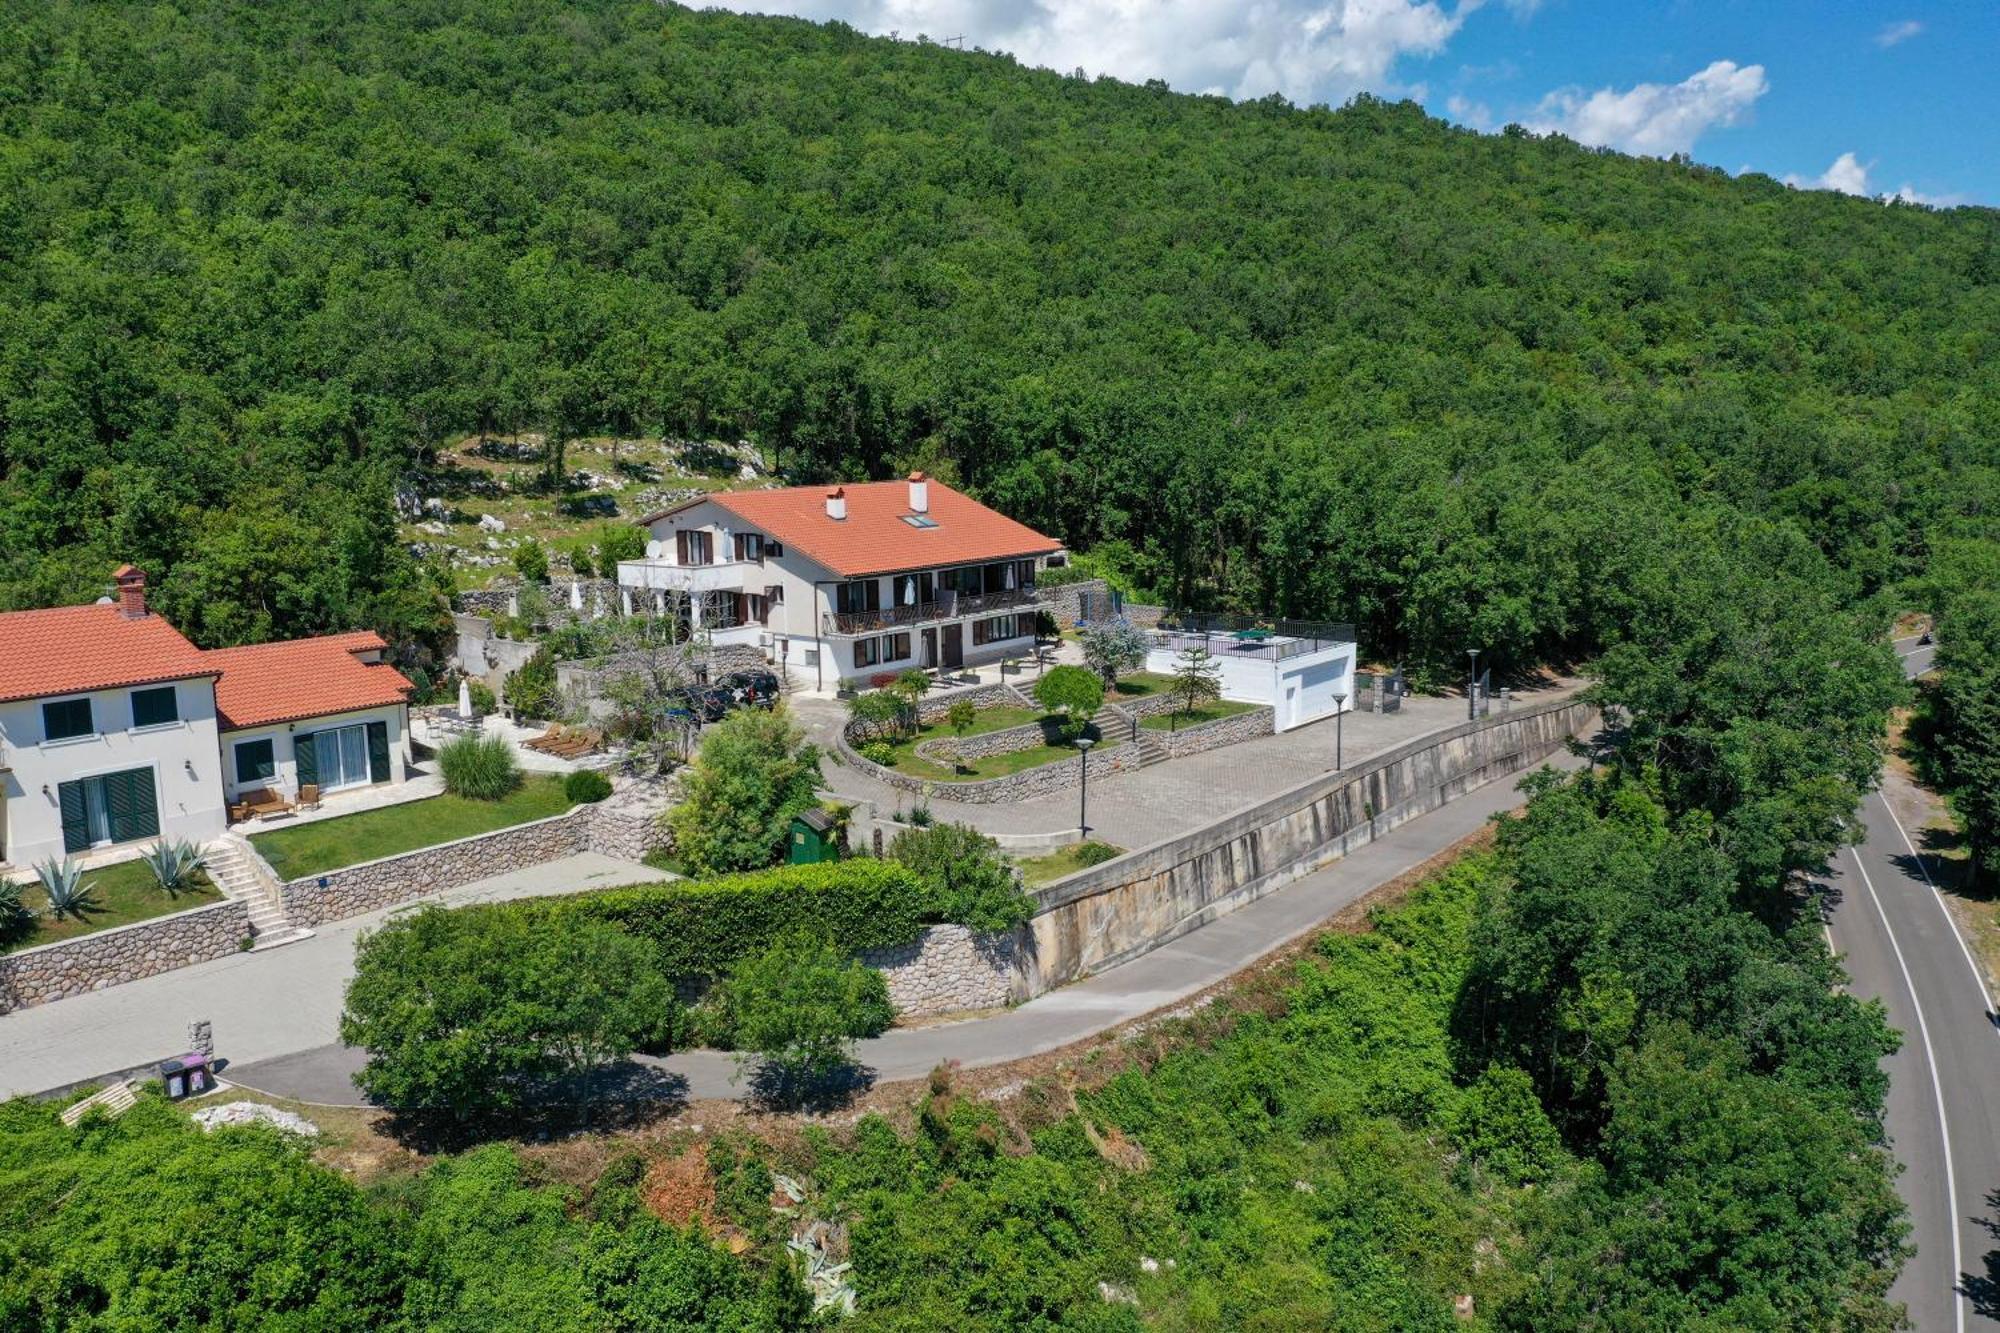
[1909,195]
[1897,33]
[1654,118]
[1309,50]
[1468,112]
[1847,174]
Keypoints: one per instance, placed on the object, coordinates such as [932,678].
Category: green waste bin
[814,838]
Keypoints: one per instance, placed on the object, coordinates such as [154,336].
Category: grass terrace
[1039,870]
[1141,684]
[126,892]
[997,718]
[1211,711]
[328,844]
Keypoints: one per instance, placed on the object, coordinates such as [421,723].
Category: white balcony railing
[728,576]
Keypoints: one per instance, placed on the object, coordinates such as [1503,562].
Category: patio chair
[308,796]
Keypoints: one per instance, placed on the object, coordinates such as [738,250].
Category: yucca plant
[63,883]
[14,914]
[174,863]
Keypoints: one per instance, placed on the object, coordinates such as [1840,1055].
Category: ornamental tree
[1074,694]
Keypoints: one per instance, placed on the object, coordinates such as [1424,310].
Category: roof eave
[112,685]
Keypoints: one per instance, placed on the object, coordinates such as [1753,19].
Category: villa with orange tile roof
[114,729]
[844,585]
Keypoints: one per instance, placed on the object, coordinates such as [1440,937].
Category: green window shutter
[378,751]
[134,804]
[152,707]
[75,827]
[308,762]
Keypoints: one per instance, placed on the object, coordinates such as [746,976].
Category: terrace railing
[948,606]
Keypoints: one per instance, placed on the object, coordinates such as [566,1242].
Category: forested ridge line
[258,261]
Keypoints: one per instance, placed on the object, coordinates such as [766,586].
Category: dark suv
[759,689]
[706,703]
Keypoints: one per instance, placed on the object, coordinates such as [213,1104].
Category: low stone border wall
[940,749]
[1259,721]
[1021,786]
[933,707]
[124,953]
[950,969]
[1102,916]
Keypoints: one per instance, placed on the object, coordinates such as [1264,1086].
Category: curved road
[1889,921]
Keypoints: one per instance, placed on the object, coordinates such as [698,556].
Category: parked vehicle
[758,689]
[707,703]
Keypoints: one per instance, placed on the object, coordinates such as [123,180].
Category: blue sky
[1869,98]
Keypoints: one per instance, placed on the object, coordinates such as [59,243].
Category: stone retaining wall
[950,969]
[1102,916]
[1021,786]
[124,953]
[1259,721]
[933,707]
[940,749]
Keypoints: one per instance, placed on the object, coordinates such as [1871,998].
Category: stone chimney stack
[836,504]
[920,494]
[131,582]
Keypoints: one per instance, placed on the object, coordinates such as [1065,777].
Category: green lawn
[1142,683]
[308,849]
[997,718]
[126,892]
[1208,712]
[1039,870]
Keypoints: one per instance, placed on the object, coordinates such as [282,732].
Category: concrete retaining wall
[124,953]
[1102,916]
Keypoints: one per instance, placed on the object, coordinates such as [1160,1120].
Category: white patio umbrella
[464,697]
[909,592]
[1010,578]
[575,595]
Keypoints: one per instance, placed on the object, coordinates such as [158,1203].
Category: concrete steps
[236,873]
[1116,724]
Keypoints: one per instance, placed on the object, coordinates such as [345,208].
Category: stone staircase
[235,870]
[1115,724]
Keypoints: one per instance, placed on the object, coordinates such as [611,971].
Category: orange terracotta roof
[70,649]
[873,538]
[301,678]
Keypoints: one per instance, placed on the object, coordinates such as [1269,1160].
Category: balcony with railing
[724,576]
[947,605]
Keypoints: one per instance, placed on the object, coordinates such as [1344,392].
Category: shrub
[531,690]
[469,1010]
[174,863]
[531,561]
[879,752]
[15,917]
[798,1005]
[754,772]
[620,541]
[877,714]
[1096,854]
[483,699]
[968,881]
[479,767]
[62,883]
[1072,692]
[586,786]
[1113,647]
[700,928]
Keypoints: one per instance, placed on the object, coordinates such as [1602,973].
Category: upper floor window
[860,595]
[64,718]
[694,547]
[152,707]
[748,546]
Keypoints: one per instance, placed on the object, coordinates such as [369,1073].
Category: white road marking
[1937,1090]
[1978,977]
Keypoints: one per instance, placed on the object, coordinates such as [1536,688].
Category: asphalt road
[1887,918]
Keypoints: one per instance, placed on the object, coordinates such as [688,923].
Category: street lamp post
[1339,712]
[1083,744]
[1472,686]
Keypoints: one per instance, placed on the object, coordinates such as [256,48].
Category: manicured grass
[1039,870]
[308,849]
[1142,683]
[997,718]
[126,892]
[1208,712]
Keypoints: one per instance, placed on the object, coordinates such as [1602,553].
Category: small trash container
[186,1076]
[814,838]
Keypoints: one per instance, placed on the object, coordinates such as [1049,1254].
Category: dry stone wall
[126,953]
[950,969]
[1214,735]
[1021,786]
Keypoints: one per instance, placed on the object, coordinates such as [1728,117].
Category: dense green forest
[258,261]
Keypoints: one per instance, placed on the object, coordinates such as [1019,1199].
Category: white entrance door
[343,757]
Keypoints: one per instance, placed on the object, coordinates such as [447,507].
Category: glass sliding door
[343,757]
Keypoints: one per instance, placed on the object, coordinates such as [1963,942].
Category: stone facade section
[939,749]
[313,900]
[126,953]
[952,969]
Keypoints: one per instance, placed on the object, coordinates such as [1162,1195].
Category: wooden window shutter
[378,751]
[308,761]
[75,827]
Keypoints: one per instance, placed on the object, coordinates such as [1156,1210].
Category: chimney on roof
[836,504]
[131,582]
[920,494]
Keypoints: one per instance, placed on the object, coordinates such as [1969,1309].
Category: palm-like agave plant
[14,914]
[173,863]
[63,882]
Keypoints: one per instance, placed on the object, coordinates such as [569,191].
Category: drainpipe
[819,658]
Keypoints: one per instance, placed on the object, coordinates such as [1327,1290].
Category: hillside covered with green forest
[257,261]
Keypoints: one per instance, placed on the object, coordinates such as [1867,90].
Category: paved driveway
[262,1004]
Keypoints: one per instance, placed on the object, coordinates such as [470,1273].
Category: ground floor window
[255,761]
[867,652]
[343,756]
[996,629]
[895,647]
[108,808]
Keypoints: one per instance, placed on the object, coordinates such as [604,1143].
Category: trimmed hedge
[702,928]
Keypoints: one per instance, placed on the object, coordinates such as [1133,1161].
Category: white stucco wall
[282,735]
[1299,689]
[187,779]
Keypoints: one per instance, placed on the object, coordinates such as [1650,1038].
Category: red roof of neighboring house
[873,538]
[300,678]
[71,649]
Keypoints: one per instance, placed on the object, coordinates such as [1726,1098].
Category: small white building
[115,730]
[1303,672]
[842,586]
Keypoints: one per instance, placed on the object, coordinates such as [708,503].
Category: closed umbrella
[1010,578]
[464,697]
[909,592]
[575,595]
